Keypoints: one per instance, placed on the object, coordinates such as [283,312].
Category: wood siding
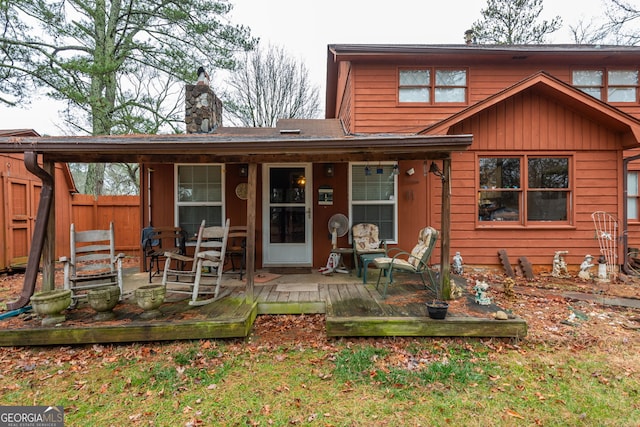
[376,108]
[528,122]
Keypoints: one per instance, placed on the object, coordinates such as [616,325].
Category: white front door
[286,223]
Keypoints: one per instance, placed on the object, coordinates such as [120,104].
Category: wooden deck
[351,309]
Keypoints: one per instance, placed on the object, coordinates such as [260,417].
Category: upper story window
[524,189]
[432,85]
[199,195]
[608,85]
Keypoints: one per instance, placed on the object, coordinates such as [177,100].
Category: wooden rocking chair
[93,262]
[414,262]
[207,262]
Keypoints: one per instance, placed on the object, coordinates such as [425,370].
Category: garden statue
[481,288]
[585,267]
[457,264]
[559,265]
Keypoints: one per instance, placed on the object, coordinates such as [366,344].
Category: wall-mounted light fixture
[367,171]
[396,169]
[243,171]
[328,170]
[434,169]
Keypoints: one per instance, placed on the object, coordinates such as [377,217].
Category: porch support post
[251,229]
[445,285]
[49,248]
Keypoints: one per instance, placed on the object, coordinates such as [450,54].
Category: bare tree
[513,22]
[270,85]
[620,26]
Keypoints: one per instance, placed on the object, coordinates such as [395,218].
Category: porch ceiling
[212,148]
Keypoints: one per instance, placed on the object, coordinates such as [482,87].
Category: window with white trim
[608,85]
[537,186]
[633,198]
[432,85]
[373,197]
[199,195]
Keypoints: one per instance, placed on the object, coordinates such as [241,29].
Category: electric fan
[338,227]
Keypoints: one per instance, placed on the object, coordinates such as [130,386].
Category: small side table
[367,259]
[342,268]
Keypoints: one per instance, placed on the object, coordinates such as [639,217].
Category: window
[415,86]
[373,197]
[429,85]
[451,85]
[633,198]
[538,186]
[199,196]
[611,86]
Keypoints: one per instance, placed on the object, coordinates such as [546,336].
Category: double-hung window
[373,197]
[608,85]
[199,195]
[524,190]
[432,85]
[633,196]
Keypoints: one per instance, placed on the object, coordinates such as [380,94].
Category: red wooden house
[531,139]
[550,125]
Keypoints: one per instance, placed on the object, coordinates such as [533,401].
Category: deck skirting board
[365,326]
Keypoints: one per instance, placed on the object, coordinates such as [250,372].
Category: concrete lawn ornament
[585,267]
[559,265]
[456,266]
[481,289]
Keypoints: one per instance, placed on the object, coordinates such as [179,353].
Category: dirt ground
[551,317]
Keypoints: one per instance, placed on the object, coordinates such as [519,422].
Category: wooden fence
[90,213]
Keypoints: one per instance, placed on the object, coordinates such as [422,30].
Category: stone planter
[50,304]
[103,300]
[437,309]
[150,298]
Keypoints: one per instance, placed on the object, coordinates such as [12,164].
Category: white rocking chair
[208,255]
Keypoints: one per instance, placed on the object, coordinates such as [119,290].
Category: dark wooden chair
[237,247]
[93,262]
[159,241]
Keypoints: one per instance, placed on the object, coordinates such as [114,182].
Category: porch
[351,309]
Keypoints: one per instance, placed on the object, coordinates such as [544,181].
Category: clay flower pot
[103,300]
[50,304]
[150,298]
[437,309]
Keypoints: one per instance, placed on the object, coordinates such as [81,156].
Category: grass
[367,382]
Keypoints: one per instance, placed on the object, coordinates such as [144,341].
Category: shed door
[286,224]
[23,202]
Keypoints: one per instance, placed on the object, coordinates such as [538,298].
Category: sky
[305,28]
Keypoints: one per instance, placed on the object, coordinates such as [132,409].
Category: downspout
[625,191]
[39,233]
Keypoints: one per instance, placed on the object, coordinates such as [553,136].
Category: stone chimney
[203,109]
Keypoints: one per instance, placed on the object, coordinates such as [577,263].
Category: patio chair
[207,262]
[366,245]
[156,241]
[237,247]
[92,263]
[415,262]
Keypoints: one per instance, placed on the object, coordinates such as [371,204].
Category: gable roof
[551,87]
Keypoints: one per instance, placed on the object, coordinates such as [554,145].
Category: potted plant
[437,309]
